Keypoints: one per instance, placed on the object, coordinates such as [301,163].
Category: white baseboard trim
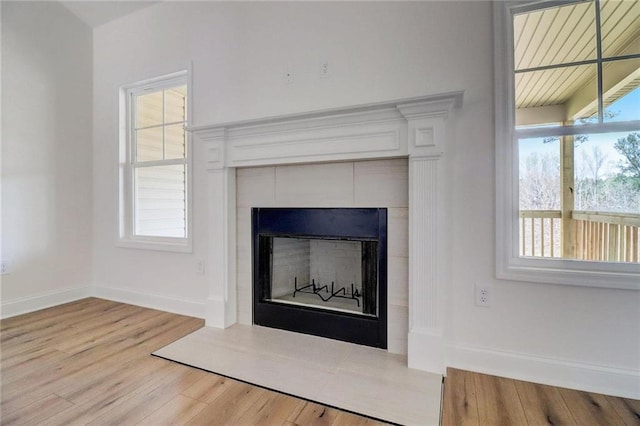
[161,302]
[549,371]
[215,313]
[24,305]
[425,351]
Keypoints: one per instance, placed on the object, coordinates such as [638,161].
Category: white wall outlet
[483,295]
[5,267]
[324,69]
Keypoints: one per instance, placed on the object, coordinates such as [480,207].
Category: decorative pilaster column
[427,224]
[221,217]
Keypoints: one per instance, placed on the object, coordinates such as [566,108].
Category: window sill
[623,276]
[180,246]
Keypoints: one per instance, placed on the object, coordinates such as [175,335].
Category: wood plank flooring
[88,362]
[473,399]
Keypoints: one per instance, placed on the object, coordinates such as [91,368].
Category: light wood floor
[479,399]
[88,362]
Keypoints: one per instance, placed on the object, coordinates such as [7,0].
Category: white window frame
[509,264]
[126,213]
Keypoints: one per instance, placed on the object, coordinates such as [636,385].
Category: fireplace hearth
[322,271]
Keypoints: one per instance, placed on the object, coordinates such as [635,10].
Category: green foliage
[629,148]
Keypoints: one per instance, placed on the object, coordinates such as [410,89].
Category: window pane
[160,201]
[174,141]
[175,104]
[148,110]
[621,80]
[606,218]
[539,195]
[553,36]
[539,174]
[149,144]
[575,89]
[607,172]
[620,27]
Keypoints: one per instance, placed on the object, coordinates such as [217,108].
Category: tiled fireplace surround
[348,157]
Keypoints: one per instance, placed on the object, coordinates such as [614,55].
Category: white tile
[255,187]
[325,353]
[397,323]
[379,363]
[244,302]
[383,183]
[243,233]
[398,345]
[315,185]
[243,266]
[243,225]
[244,277]
[398,232]
[398,280]
[356,378]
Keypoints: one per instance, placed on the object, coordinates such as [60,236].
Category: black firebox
[322,271]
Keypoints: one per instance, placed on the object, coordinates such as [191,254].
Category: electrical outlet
[483,295]
[5,267]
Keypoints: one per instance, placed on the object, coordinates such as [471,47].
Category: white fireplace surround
[416,128]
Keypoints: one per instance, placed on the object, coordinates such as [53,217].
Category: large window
[155,165]
[568,141]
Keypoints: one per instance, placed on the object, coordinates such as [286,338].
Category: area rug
[359,379]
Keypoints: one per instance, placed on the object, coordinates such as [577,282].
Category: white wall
[574,336]
[46,155]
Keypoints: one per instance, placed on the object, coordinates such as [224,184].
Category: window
[154,161]
[568,142]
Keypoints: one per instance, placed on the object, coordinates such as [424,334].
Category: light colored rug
[363,380]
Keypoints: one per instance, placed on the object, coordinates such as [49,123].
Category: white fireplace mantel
[415,128]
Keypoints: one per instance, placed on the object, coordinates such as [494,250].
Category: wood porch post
[567,203]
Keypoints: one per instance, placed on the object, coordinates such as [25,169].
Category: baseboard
[549,371]
[215,313]
[425,351]
[24,305]
[161,302]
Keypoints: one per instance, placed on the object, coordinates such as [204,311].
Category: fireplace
[322,271]
[416,129]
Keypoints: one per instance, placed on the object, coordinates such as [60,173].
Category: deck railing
[604,236]
[540,233]
[600,236]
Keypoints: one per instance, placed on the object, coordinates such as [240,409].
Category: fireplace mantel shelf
[415,128]
[353,133]
[454,99]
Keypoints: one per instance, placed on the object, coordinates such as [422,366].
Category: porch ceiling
[567,34]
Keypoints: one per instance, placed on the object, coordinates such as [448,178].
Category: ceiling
[562,35]
[96,13]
